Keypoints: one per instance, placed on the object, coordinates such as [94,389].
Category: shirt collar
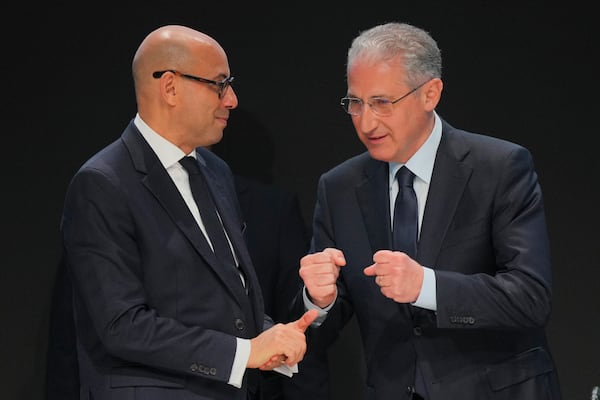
[421,163]
[167,152]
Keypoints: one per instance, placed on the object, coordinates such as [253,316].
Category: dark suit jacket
[484,233]
[156,315]
[277,238]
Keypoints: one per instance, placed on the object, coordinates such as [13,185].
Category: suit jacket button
[239,324]
[194,367]
[410,390]
[417,331]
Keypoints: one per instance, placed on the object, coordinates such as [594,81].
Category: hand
[274,362]
[320,272]
[399,276]
[282,343]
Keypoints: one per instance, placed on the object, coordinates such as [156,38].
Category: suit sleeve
[510,288]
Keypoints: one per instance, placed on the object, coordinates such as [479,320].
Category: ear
[432,93]
[168,88]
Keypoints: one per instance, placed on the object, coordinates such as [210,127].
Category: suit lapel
[227,211]
[160,184]
[374,203]
[448,181]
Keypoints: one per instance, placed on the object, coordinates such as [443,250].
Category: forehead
[210,59]
[371,79]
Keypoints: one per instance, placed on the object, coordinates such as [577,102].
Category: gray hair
[420,54]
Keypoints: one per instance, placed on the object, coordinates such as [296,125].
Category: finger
[383,256]
[337,256]
[274,361]
[304,322]
[329,255]
[371,270]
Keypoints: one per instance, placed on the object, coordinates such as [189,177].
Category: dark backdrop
[525,72]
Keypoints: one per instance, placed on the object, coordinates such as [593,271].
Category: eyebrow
[381,96]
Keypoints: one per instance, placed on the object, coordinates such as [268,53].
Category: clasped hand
[280,344]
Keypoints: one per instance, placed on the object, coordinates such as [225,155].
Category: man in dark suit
[277,238]
[457,308]
[158,313]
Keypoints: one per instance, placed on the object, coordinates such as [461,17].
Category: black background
[523,71]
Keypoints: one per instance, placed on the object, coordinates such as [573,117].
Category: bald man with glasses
[167,304]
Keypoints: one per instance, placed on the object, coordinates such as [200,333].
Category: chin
[380,154]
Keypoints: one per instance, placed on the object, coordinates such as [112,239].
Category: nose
[367,121]
[229,98]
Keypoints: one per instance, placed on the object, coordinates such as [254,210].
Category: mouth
[375,138]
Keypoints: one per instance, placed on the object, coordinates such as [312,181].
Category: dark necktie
[405,214]
[208,211]
[405,233]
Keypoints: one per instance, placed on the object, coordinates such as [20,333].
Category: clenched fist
[399,276]
[320,272]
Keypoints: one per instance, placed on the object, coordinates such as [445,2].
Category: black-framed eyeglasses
[221,85]
[379,105]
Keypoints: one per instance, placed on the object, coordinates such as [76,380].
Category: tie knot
[190,164]
[405,177]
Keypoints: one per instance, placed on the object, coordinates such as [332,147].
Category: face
[203,113]
[398,136]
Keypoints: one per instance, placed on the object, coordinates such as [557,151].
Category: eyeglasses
[379,105]
[221,85]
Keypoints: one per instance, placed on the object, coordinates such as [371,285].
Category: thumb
[337,256]
[304,322]
[370,270]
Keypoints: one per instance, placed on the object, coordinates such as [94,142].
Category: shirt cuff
[427,298]
[321,311]
[242,354]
